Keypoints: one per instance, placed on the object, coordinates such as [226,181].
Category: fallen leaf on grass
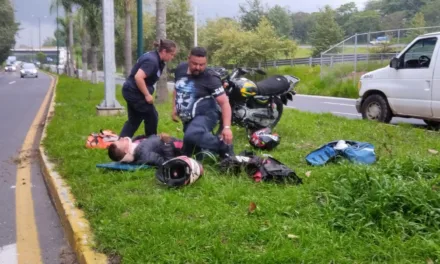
[292,236]
[178,129]
[429,261]
[308,173]
[433,151]
[252,207]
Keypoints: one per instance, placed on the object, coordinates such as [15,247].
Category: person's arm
[218,92]
[146,69]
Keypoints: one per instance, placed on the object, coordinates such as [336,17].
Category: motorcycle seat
[274,85]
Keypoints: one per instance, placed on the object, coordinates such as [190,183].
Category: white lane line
[330,103]
[8,254]
[324,97]
[12,82]
[340,113]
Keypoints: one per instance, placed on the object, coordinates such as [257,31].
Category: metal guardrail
[329,59]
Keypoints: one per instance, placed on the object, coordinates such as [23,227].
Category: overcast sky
[28,11]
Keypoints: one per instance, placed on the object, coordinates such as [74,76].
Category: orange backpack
[101,140]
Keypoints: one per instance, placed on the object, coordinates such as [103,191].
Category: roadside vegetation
[342,213]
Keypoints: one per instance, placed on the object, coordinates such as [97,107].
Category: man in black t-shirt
[198,95]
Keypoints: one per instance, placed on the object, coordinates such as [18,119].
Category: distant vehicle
[408,87]
[380,40]
[28,70]
[10,68]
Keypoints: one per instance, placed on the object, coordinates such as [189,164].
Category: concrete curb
[76,227]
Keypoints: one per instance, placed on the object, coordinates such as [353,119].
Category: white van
[408,87]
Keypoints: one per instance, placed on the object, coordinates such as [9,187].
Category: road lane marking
[12,82]
[350,114]
[28,247]
[330,103]
[8,254]
[324,97]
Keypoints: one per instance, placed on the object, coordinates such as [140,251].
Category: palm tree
[161,33]
[93,19]
[67,5]
[80,20]
[125,8]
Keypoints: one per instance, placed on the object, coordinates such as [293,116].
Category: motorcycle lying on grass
[256,105]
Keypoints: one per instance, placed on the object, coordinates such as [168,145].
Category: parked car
[408,87]
[10,68]
[28,70]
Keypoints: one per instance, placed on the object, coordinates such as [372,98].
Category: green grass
[343,213]
[338,81]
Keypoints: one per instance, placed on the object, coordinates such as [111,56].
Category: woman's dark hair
[165,44]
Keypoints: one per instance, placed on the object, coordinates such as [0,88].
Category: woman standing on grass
[138,89]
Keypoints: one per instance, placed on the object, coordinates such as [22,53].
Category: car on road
[28,70]
[10,68]
[408,87]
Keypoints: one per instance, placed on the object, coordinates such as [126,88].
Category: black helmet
[264,139]
[179,171]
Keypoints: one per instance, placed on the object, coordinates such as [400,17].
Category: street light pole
[109,106]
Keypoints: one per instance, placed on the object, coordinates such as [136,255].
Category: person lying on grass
[153,150]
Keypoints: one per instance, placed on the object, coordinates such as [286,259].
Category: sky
[28,12]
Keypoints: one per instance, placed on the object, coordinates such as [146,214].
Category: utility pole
[195,25]
[109,106]
[140,42]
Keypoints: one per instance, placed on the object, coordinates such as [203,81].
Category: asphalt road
[337,106]
[20,100]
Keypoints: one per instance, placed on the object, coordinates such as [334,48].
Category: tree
[302,25]
[247,48]
[80,20]
[251,13]
[418,22]
[41,57]
[209,35]
[180,27]
[361,22]
[326,31]
[93,19]
[125,9]
[394,20]
[281,19]
[67,6]
[431,13]
[344,13]
[8,29]
[161,33]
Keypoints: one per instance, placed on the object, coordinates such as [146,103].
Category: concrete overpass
[31,54]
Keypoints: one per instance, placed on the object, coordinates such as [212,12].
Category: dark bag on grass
[270,169]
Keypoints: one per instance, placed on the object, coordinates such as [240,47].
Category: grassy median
[343,213]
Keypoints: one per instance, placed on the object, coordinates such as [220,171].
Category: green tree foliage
[41,57]
[180,27]
[431,12]
[281,19]
[344,13]
[394,20]
[251,13]
[326,31]
[246,48]
[362,22]
[418,21]
[302,25]
[209,36]
[8,29]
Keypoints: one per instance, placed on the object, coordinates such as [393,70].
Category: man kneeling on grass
[153,150]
